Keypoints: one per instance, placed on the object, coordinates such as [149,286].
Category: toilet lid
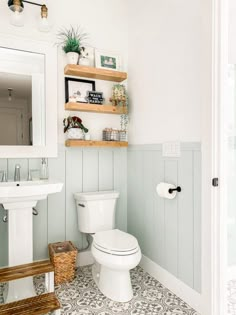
[115,240]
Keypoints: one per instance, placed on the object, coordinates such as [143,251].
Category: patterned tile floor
[82,297]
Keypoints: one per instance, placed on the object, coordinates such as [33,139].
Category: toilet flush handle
[81,205]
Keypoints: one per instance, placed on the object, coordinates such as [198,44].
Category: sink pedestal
[20,248]
[19,198]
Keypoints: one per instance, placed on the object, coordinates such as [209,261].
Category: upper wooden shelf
[95,73]
[105,109]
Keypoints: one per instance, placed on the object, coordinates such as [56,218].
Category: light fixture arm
[33,3]
[20,4]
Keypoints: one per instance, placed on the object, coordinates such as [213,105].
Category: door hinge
[215,182]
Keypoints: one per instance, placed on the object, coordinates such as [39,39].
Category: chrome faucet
[17,173]
[4,176]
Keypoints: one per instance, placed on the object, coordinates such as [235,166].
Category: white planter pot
[72,58]
[75,133]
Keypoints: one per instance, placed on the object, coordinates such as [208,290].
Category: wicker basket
[63,257]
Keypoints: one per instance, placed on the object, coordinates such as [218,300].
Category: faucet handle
[4,176]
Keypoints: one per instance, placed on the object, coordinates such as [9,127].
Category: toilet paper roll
[163,190]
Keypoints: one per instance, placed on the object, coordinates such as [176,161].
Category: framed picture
[88,53]
[76,90]
[107,60]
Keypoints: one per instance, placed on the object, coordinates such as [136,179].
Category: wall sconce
[17,7]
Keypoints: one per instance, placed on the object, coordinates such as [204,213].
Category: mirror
[22,98]
[28,98]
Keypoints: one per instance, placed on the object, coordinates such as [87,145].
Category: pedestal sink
[19,198]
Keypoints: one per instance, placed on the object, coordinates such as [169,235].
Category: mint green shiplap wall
[169,231]
[81,170]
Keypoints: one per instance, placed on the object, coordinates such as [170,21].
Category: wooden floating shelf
[92,143]
[95,73]
[94,108]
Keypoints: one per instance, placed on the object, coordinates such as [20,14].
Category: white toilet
[114,251]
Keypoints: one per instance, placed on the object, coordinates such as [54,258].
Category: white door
[10,126]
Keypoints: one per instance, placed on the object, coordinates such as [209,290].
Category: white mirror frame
[50,52]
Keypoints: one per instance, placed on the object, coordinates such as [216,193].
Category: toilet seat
[115,242]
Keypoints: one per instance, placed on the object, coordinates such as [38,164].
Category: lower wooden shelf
[92,143]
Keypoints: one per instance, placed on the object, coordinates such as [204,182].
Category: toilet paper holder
[178,189]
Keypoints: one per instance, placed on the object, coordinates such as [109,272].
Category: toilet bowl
[115,252]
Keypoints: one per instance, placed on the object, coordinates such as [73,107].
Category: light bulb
[17,19]
[44,25]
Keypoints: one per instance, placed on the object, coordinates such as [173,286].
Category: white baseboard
[231,273]
[187,294]
[84,258]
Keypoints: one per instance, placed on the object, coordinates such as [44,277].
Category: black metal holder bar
[30,2]
[178,189]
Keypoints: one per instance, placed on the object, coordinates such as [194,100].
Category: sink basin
[28,190]
[18,198]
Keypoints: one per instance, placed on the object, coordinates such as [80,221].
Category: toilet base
[114,284]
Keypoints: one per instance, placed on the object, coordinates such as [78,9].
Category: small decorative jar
[123,135]
[115,135]
[75,133]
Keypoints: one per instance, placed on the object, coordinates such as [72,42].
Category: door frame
[214,242]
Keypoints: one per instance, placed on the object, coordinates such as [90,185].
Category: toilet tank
[96,211]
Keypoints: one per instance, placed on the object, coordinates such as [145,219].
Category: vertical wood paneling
[90,170]
[56,202]
[197,219]
[105,170]
[3,239]
[3,226]
[185,219]
[171,220]
[148,204]
[169,231]
[136,197]
[159,211]
[74,183]
[40,222]
[120,184]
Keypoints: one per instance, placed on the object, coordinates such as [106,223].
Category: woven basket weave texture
[63,257]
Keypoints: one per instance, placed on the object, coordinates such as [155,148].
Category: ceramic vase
[75,133]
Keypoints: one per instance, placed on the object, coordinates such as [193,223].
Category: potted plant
[71,41]
[74,127]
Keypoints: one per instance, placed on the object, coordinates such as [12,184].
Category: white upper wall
[232,31]
[168,60]
[168,69]
[105,21]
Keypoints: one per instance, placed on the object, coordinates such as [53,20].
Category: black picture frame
[78,86]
